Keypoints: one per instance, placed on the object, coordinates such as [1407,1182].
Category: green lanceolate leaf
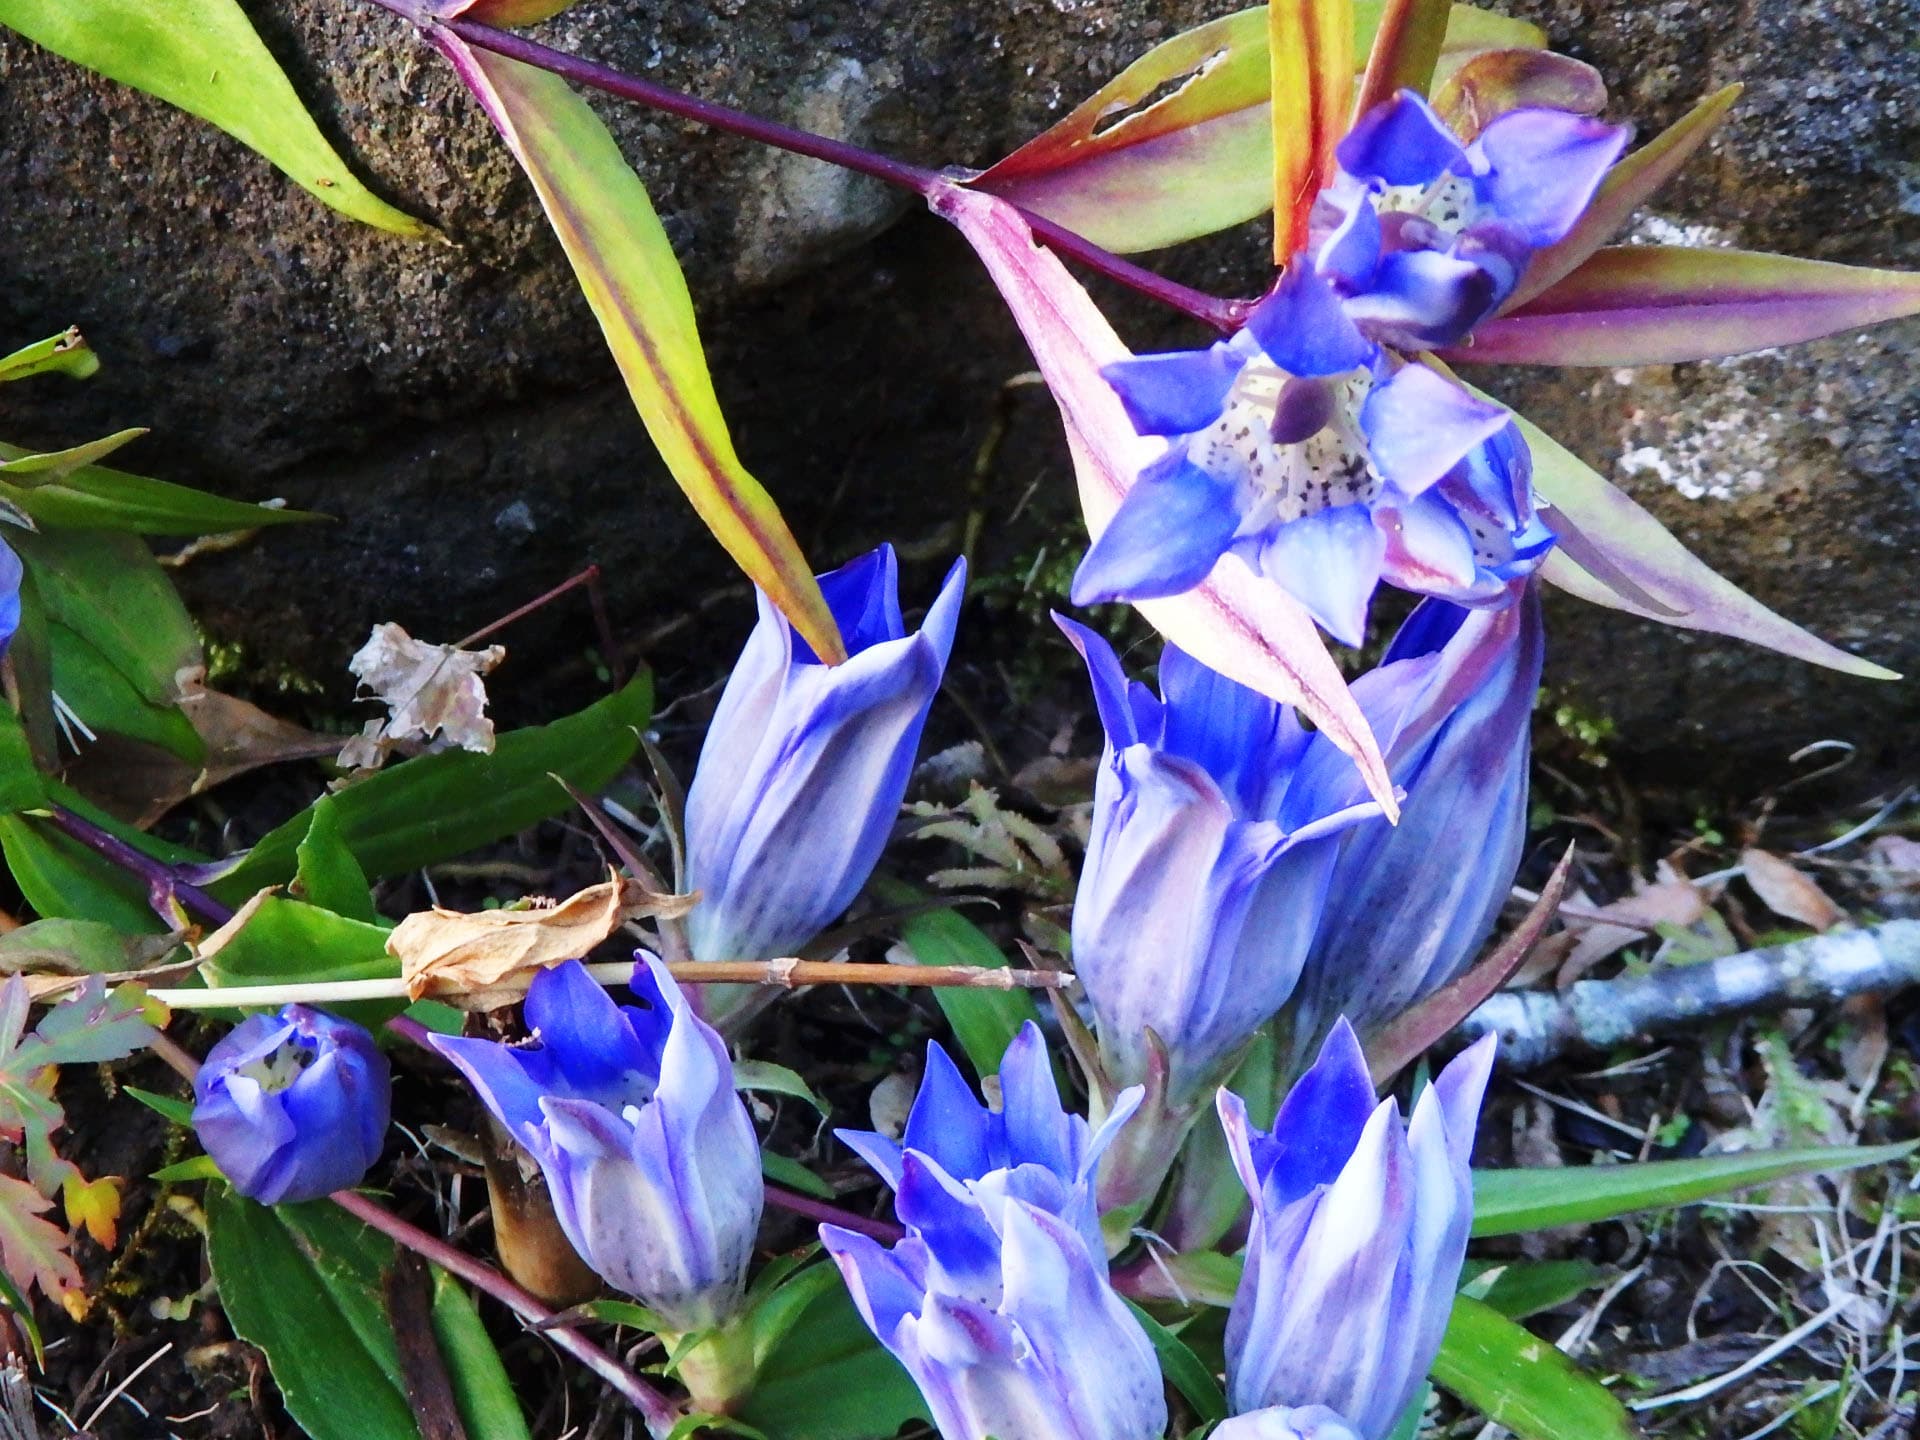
[62,879]
[826,1377]
[285,942]
[772,1079]
[204,56]
[1521,1288]
[1507,1202]
[107,702]
[29,468]
[481,1388]
[327,875]
[784,1170]
[434,807]
[983,1021]
[92,497]
[627,270]
[302,1282]
[112,593]
[1520,1381]
[20,787]
[64,354]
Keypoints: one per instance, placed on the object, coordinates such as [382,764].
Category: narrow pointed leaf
[504,12]
[1406,48]
[1511,1202]
[1695,596]
[66,354]
[93,497]
[626,267]
[46,467]
[1180,143]
[204,56]
[1627,187]
[1235,622]
[1662,304]
[1310,56]
[1520,1381]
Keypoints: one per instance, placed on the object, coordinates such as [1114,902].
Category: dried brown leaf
[476,958]
[1788,892]
[430,690]
[1669,901]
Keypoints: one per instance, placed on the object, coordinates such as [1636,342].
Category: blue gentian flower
[1359,1228]
[1452,704]
[10,576]
[1304,1422]
[1206,868]
[649,1156]
[805,765]
[997,1299]
[1029,1149]
[292,1106]
[1307,443]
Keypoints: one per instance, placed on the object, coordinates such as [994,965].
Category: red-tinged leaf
[1246,627]
[33,1251]
[1409,1035]
[1174,164]
[1310,58]
[1627,187]
[1661,304]
[503,12]
[1180,143]
[1694,596]
[1488,85]
[626,268]
[1406,48]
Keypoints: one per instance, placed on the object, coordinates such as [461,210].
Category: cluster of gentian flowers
[1313,443]
[1224,839]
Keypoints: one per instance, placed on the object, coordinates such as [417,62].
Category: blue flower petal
[1330,562]
[1421,299]
[10,574]
[946,1121]
[1128,712]
[582,1032]
[1420,425]
[1401,142]
[1177,393]
[1305,328]
[1238,735]
[1352,249]
[1169,531]
[1541,168]
[864,596]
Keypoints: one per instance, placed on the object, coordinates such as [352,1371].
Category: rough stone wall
[453,406]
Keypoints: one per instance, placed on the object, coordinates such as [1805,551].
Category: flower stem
[660,1413]
[163,881]
[885,1231]
[1222,315]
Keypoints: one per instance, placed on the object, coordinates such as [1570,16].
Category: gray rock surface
[454,407]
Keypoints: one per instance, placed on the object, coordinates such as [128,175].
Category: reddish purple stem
[1223,315]
[885,1231]
[163,880]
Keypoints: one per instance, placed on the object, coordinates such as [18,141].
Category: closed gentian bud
[10,576]
[649,1156]
[292,1106]
[805,765]
[1411,904]
[1359,1228]
[1207,865]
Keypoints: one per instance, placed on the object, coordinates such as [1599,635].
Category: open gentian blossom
[1359,1227]
[648,1153]
[1307,443]
[1452,704]
[1030,1148]
[1206,867]
[1290,1422]
[292,1106]
[804,768]
[997,1300]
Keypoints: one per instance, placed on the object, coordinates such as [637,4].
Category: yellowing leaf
[626,269]
[33,1251]
[94,1204]
[203,56]
[480,957]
